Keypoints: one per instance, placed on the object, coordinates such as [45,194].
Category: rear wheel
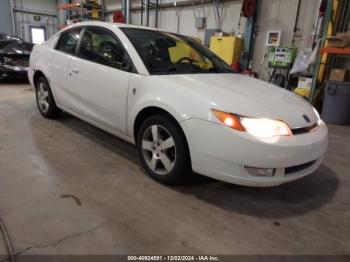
[45,100]
[163,150]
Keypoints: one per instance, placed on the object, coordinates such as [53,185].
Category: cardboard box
[305,82]
[341,75]
[341,40]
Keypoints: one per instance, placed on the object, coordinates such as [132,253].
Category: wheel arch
[153,110]
[37,75]
[40,73]
[146,112]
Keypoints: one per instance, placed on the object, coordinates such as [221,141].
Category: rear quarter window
[68,41]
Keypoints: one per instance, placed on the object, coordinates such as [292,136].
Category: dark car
[14,56]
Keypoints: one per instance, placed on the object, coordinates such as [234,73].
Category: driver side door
[98,78]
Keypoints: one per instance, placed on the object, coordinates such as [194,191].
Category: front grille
[303,130]
[294,169]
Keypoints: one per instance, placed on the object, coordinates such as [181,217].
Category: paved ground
[69,188]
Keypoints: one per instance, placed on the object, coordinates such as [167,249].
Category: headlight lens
[265,128]
[257,127]
[8,60]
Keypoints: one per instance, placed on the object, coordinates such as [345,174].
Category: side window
[68,41]
[101,46]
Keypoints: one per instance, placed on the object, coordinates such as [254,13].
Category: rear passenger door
[59,65]
[99,78]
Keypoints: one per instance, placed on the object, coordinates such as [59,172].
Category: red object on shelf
[250,73]
[118,17]
[248,8]
[61,26]
[72,7]
[236,67]
[335,50]
[68,6]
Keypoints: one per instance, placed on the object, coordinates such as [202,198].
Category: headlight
[8,60]
[257,127]
[265,128]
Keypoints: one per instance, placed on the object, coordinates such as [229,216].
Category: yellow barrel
[303,92]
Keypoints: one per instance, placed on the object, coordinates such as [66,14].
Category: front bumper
[30,75]
[9,71]
[219,152]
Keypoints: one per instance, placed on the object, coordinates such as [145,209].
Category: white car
[183,107]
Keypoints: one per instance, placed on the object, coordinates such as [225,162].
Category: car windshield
[167,53]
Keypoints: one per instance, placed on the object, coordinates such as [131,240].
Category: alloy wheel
[158,149]
[43,97]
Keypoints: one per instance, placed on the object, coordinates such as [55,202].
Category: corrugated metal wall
[168,17]
[5,17]
[281,15]
[25,20]
[274,15]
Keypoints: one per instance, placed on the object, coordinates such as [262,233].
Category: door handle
[75,71]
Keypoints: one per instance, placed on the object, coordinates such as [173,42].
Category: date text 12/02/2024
[173,258]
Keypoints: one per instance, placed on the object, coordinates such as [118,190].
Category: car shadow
[288,200]
[105,139]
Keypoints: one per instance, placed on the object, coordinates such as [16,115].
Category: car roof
[110,25]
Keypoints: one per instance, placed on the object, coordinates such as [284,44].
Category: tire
[165,157]
[44,99]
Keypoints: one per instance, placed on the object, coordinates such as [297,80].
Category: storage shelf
[73,6]
[81,10]
[76,5]
[335,50]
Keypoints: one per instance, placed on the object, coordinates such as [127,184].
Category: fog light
[262,172]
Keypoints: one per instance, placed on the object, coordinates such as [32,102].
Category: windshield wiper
[222,70]
[163,70]
[176,70]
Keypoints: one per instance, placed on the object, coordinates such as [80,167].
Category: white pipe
[13,18]
[147,12]
[127,11]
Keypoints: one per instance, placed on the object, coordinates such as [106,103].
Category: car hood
[247,96]
[15,47]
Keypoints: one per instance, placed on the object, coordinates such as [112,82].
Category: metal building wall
[281,15]
[5,17]
[24,16]
[168,18]
[274,15]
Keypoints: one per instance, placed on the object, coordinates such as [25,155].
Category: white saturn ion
[183,107]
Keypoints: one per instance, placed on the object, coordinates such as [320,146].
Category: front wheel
[163,150]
